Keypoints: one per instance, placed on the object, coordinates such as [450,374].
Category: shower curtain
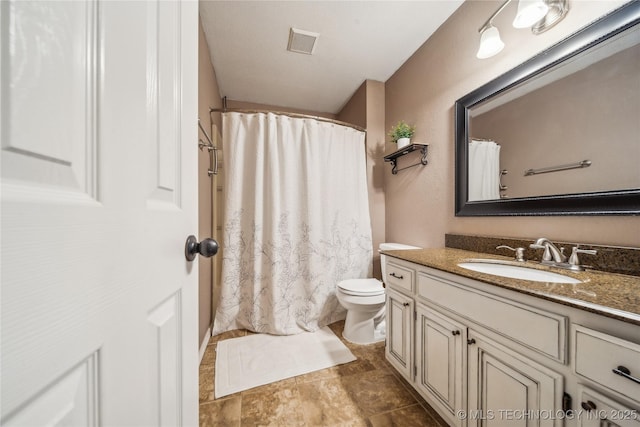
[484,170]
[296,222]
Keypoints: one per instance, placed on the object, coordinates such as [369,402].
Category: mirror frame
[617,202]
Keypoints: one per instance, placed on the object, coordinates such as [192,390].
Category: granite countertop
[608,294]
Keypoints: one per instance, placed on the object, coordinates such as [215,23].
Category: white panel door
[98,173]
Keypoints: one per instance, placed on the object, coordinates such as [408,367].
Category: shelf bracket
[393,157]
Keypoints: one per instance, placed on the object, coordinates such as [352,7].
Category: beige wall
[366,109]
[208,97]
[355,110]
[420,200]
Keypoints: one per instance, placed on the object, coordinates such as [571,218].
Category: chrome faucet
[551,255]
[556,257]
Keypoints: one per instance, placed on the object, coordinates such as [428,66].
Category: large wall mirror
[559,134]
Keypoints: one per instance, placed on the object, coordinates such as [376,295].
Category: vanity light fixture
[540,15]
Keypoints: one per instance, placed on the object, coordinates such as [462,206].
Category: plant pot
[403,142]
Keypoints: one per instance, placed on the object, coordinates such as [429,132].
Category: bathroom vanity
[483,349]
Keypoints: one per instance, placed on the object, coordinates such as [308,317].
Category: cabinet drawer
[399,277]
[531,327]
[596,410]
[597,355]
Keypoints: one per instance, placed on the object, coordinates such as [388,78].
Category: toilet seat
[361,287]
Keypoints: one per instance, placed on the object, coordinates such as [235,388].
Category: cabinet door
[506,388]
[399,346]
[440,344]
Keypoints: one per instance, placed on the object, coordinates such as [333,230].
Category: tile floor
[366,392]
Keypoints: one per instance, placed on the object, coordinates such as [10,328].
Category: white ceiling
[358,40]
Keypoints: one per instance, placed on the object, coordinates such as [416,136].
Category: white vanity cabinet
[470,344]
[483,355]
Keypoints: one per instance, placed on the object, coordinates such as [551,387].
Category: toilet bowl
[365,300]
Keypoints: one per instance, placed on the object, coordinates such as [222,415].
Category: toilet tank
[391,247]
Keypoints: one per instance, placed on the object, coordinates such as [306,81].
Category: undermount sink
[507,269]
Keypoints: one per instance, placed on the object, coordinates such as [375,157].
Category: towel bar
[582,164]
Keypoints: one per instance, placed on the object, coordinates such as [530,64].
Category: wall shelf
[393,157]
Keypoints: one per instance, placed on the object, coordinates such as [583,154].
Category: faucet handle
[574,260]
[546,256]
[519,252]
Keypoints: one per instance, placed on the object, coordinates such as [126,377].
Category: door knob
[206,248]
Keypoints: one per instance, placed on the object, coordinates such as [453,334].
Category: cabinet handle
[625,372]
[394,275]
[588,405]
[454,333]
[406,304]
[566,404]
[471,341]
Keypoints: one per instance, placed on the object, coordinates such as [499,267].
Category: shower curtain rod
[283,113]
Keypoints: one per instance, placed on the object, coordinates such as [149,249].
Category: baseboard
[205,342]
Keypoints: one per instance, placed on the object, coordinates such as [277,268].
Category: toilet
[364,300]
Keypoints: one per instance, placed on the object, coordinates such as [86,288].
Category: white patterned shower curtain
[296,222]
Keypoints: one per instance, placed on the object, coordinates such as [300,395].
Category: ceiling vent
[302,41]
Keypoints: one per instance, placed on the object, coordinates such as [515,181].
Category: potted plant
[402,133]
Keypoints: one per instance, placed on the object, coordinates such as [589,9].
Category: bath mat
[247,362]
